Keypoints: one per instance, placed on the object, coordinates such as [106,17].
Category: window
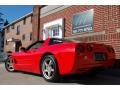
[58,41]
[23,37]
[31,18]
[6,42]
[31,36]
[24,21]
[35,45]
[12,26]
[7,30]
[47,33]
[18,30]
[55,31]
[55,41]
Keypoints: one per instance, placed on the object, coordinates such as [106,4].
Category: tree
[6,22]
[1,21]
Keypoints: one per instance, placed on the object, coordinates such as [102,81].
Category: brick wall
[36,21]
[69,12]
[106,18]
[24,29]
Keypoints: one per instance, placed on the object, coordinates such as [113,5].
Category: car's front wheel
[49,68]
[9,65]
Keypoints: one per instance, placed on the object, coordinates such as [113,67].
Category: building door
[17,45]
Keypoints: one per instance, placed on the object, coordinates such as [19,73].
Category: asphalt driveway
[106,77]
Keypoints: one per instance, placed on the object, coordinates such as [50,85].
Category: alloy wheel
[48,68]
[9,65]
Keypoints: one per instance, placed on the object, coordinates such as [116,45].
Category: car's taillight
[110,49]
[80,48]
[89,48]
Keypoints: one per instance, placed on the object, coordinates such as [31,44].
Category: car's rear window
[57,41]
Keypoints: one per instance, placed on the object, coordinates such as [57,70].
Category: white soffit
[54,22]
[52,9]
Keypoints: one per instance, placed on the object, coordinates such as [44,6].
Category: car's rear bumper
[81,68]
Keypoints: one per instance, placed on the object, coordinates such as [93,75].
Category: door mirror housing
[22,49]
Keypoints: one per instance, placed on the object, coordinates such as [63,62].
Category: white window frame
[49,27]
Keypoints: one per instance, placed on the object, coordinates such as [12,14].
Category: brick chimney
[36,22]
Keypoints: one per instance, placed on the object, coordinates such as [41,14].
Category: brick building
[18,33]
[88,23]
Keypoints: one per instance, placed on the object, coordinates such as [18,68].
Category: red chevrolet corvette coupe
[55,57]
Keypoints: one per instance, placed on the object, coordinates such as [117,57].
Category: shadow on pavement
[86,80]
[107,77]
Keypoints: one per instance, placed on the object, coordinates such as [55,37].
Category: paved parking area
[111,77]
[21,78]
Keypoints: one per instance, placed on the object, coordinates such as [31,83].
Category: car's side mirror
[22,49]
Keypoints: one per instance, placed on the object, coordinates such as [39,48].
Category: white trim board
[86,35]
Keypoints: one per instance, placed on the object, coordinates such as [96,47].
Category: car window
[38,45]
[35,45]
[57,41]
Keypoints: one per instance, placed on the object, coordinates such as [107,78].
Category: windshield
[35,45]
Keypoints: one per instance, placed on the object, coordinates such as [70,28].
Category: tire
[49,69]
[9,65]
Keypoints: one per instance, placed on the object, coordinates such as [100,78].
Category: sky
[13,12]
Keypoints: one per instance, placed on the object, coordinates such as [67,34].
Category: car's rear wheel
[9,65]
[49,69]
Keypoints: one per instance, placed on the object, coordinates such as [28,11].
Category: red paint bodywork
[68,57]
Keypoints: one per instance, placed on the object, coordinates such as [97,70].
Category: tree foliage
[3,21]
[6,22]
